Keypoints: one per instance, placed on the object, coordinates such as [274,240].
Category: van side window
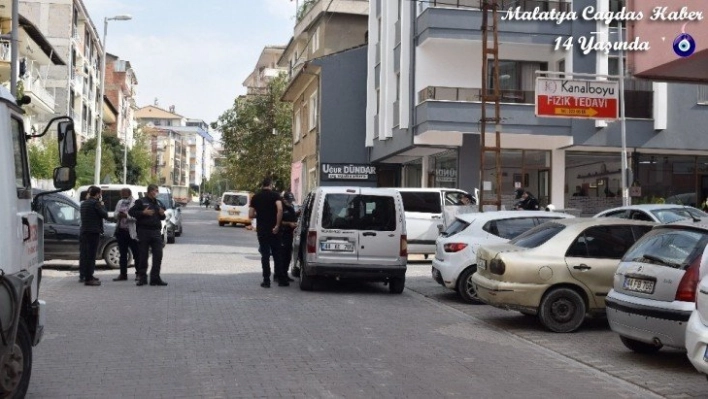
[379,213]
[425,202]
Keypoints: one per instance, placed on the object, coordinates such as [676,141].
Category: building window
[517,80]
[639,94]
[296,126]
[316,40]
[313,116]
[561,65]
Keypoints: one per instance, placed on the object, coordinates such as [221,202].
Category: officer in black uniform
[288,227]
[149,213]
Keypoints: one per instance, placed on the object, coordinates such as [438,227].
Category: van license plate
[482,264]
[638,285]
[337,246]
[233,212]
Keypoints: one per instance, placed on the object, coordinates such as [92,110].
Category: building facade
[76,86]
[424,110]
[265,70]
[120,91]
[323,28]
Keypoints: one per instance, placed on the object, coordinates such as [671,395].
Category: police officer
[149,213]
[288,227]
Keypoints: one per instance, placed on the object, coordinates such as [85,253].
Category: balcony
[458,19]
[34,88]
[310,10]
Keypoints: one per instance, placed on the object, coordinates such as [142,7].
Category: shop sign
[584,99]
[446,175]
[348,171]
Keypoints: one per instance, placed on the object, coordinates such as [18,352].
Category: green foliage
[304,8]
[43,157]
[139,162]
[252,150]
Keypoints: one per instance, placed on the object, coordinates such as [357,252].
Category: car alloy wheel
[112,255]
[465,287]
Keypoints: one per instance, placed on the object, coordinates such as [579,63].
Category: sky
[194,55]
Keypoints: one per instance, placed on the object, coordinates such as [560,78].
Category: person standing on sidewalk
[149,213]
[288,224]
[126,234]
[267,208]
[92,215]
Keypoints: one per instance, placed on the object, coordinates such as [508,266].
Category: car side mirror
[67,144]
[64,178]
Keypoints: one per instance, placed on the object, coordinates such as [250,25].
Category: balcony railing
[34,85]
[526,5]
[639,98]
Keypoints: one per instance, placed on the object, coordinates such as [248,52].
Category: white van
[426,208]
[351,232]
[234,208]
[111,195]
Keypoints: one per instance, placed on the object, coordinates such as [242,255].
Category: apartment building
[201,151]
[424,109]
[120,92]
[171,151]
[265,70]
[68,27]
[36,56]
[323,28]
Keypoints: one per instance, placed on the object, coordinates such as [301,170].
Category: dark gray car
[62,224]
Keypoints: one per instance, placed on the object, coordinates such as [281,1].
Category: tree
[139,161]
[86,161]
[43,158]
[257,140]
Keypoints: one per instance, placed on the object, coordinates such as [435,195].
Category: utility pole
[490,53]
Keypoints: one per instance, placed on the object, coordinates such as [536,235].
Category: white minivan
[428,208]
[234,208]
[351,232]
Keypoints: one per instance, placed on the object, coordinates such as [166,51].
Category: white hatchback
[697,330]
[456,248]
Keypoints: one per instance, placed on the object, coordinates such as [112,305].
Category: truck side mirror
[64,178]
[67,144]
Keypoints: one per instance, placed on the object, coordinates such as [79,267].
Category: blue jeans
[269,244]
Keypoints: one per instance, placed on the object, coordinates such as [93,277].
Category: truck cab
[22,313]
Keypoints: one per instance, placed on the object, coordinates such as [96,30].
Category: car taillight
[454,247]
[497,266]
[311,242]
[404,246]
[686,291]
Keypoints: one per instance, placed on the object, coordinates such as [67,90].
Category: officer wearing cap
[288,227]
[528,201]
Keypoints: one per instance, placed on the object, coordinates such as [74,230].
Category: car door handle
[51,230]
[582,267]
[369,233]
[436,217]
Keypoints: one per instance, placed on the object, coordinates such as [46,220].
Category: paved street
[213,332]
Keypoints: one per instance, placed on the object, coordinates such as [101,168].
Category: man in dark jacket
[92,214]
[267,208]
[528,201]
[288,224]
[149,213]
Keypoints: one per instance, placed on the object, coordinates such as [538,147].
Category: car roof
[485,216]
[61,194]
[699,224]
[343,190]
[592,221]
[647,207]
[430,190]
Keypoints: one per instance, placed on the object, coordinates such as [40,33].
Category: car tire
[221,224]
[465,288]
[21,358]
[562,310]
[111,254]
[178,233]
[295,270]
[396,284]
[639,346]
[306,282]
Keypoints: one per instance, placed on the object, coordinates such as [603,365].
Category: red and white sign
[589,99]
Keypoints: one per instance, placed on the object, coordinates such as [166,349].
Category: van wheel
[295,270]
[562,310]
[639,346]
[221,224]
[396,284]
[16,366]
[465,288]
[306,282]
[111,254]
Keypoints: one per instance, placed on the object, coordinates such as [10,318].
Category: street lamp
[99,131]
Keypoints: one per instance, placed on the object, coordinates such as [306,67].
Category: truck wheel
[17,366]
[112,255]
[396,284]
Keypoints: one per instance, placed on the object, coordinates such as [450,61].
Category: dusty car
[456,248]
[697,330]
[559,271]
[659,213]
[655,287]
[62,224]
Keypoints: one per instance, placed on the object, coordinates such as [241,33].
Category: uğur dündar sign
[589,99]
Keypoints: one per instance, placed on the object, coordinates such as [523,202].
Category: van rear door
[380,229]
[338,238]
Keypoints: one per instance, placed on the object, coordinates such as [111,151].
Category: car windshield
[538,235]
[166,200]
[671,247]
[455,227]
[674,214]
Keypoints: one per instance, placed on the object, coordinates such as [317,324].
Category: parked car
[559,271]
[659,213]
[62,224]
[426,210]
[456,248]
[173,214]
[697,330]
[234,208]
[655,287]
[351,232]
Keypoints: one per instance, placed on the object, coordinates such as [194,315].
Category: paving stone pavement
[213,332]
